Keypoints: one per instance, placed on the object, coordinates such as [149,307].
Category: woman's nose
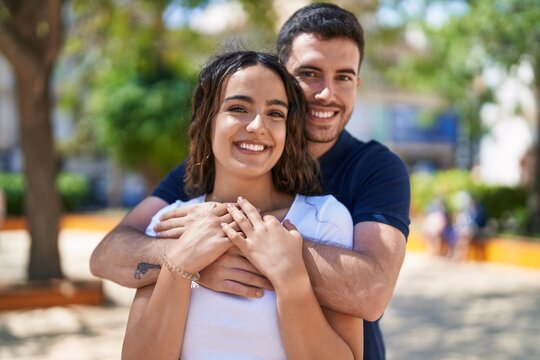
[256,126]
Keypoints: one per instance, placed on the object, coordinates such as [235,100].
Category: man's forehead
[327,54]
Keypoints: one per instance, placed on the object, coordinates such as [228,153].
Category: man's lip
[322,114]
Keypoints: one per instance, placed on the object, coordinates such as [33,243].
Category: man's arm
[126,255]
[359,282]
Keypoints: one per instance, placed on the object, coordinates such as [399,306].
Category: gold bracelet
[175,269]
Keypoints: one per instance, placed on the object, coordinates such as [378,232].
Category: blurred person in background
[3,208]
[322,45]
[435,226]
[469,224]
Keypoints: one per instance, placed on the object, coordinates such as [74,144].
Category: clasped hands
[235,248]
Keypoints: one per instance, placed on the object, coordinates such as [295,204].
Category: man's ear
[359,83]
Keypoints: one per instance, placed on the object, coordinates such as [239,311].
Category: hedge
[73,188]
[506,205]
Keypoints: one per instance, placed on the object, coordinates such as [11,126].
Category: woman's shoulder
[327,205]
[325,218]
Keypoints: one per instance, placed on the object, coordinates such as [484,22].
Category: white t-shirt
[224,326]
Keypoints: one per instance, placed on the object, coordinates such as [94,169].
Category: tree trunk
[40,169]
[30,38]
[534,200]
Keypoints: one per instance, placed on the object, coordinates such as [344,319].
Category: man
[322,45]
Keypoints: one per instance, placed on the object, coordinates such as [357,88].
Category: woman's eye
[236,109]
[277,114]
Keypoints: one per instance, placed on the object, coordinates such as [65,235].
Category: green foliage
[73,188]
[13,186]
[141,126]
[131,89]
[501,202]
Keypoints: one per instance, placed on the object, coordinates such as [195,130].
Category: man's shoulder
[370,154]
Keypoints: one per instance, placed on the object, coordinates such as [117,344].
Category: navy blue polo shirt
[370,180]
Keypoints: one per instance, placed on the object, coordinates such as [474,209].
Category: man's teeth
[322,114]
[251,147]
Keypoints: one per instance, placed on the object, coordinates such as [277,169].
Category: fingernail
[240,199]
[259,293]
[223,224]
[230,205]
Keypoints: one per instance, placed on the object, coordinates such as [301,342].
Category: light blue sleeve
[335,224]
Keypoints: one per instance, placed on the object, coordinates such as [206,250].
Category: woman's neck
[258,191]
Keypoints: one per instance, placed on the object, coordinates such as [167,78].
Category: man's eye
[344,78]
[307,74]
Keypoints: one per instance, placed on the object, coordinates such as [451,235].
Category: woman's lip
[251,146]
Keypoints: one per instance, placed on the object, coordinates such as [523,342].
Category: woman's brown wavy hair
[295,172]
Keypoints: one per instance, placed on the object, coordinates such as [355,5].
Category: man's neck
[316,150]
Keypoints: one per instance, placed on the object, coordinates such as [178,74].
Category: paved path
[441,310]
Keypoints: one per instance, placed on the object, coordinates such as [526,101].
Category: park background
[95,101]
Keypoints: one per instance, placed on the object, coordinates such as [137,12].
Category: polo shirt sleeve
[384,192]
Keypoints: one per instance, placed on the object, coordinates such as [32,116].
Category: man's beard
[323,138]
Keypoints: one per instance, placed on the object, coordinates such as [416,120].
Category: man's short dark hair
[324,20]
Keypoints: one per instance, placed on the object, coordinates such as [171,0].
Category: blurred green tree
[487,33]
[132,99]
[127,77]
[31,35]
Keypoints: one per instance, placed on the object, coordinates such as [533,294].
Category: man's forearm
[356,282]
[128,257]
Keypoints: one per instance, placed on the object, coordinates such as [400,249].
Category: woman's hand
[268,245]
[174,222]
[202,240]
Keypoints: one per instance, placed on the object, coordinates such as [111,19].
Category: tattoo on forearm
[142,268]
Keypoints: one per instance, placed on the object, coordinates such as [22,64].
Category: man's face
[328,73]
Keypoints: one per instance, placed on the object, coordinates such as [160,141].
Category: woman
[247,149]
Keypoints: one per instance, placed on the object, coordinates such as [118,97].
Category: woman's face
[250,126]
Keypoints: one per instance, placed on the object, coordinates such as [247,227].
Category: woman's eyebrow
[251,101]
[240,97]
[277,102]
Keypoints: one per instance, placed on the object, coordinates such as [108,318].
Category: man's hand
[233,273]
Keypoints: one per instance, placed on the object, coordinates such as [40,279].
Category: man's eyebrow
[308,67]
[346,71]
[316,68]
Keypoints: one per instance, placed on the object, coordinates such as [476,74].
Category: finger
[240,218]
[249,279]
[229,220]
[170,224]
[287,224]
[235,288]
[171,234]
[236,260]
[234,236]
[177,212]
[219,209]
[251,211]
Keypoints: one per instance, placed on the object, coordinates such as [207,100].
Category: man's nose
[256,125]
[325,94]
